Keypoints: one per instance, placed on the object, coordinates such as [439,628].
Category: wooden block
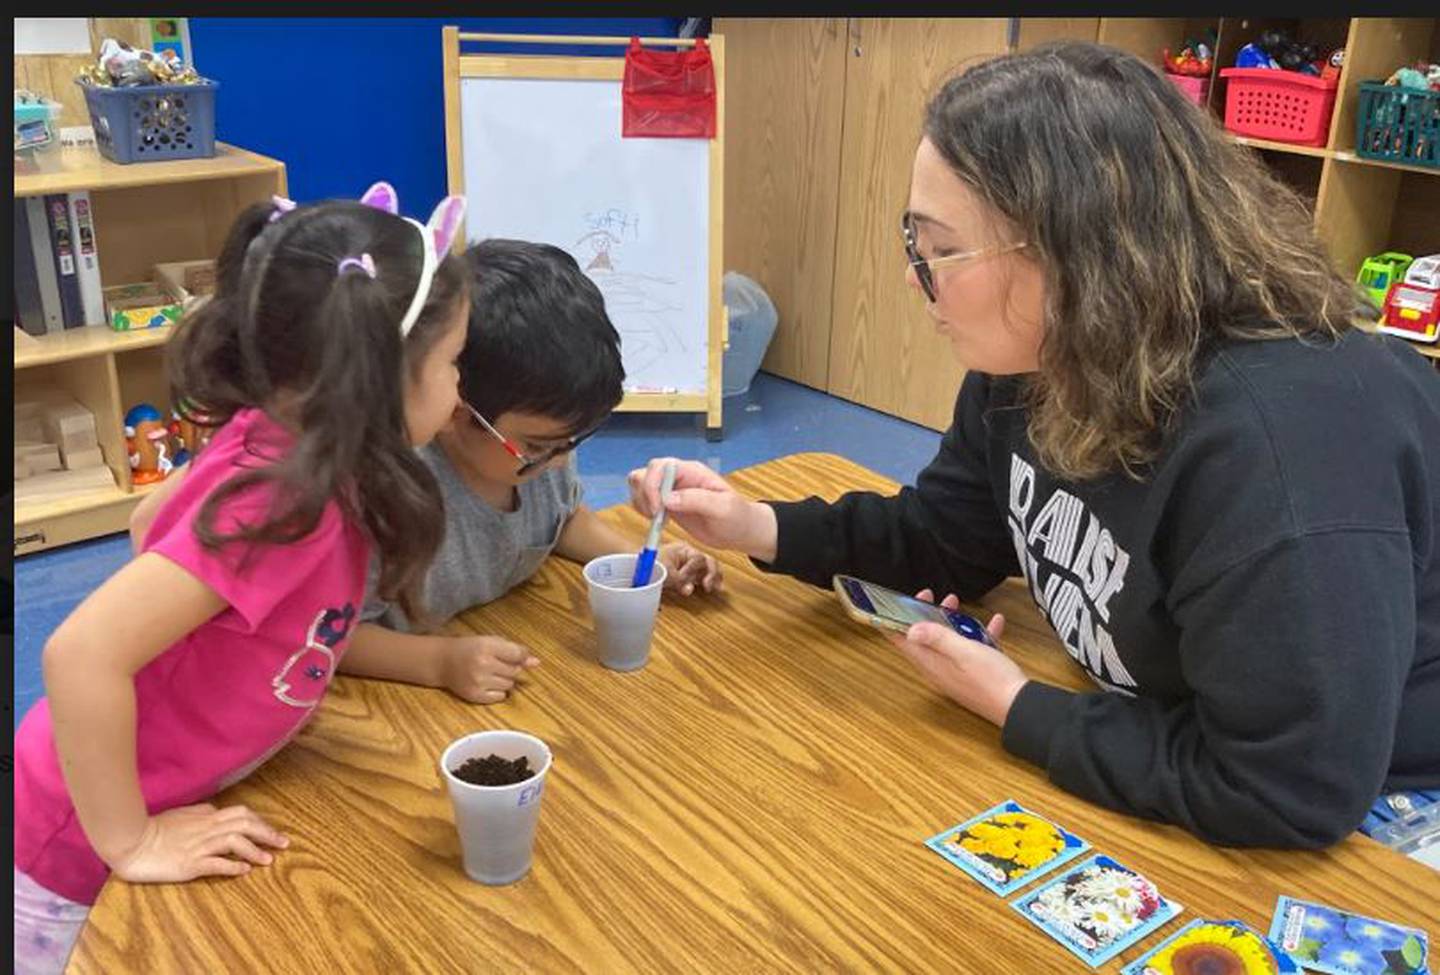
[62,484]
[39,457]
[29,428]
[68,419]
[71,443]
[80,459]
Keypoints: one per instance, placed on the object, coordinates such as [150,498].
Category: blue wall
[344,102]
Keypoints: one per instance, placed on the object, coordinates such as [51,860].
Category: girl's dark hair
[1158,238]
[322,351]
[539,341]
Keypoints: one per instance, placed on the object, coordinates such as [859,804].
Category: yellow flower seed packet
[1007,846]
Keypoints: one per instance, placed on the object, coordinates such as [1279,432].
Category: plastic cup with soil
[496,781]
[624,616]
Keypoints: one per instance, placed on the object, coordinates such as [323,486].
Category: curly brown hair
[1158,237]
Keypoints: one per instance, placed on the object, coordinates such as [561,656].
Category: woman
[1223,495]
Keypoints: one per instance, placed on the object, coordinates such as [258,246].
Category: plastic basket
[1398,124]
[153,122]
[1282,106]
[1196,89]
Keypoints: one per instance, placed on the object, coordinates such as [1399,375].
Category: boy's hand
[482,669]
[198,841]
[686,566]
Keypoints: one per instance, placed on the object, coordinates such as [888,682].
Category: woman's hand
[198,841]
[706,506]
[979,678]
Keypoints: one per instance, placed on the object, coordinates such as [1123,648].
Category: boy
[540,372]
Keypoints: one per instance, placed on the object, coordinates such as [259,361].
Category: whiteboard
[544,161]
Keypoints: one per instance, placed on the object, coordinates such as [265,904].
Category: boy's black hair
[540,341]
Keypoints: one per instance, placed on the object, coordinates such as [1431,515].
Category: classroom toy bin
[1282,106]
[1398,124]
[1193,88]
[153,122]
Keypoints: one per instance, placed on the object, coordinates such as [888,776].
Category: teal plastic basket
[1398,124]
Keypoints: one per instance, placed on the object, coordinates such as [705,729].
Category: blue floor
[774,418]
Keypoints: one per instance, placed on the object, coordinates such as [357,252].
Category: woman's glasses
[527,462]
[922,267]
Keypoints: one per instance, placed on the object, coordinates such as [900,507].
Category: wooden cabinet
[145,213]
[884,350]
[826,116]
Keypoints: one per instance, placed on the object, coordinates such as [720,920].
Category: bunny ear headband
[437,235]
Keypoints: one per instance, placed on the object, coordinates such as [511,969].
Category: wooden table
[755,799]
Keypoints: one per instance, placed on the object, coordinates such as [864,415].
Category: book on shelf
[43,260]
[62,243]
[29,309]
[87,257]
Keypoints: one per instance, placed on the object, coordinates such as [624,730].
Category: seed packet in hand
[1324,939]
[1098,909]
[1214,946]
[1007,846]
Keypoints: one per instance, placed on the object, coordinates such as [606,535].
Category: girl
[327,352]
[1223,494]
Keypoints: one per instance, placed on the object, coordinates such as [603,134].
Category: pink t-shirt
[223,699]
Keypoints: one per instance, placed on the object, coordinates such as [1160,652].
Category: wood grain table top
[756,799]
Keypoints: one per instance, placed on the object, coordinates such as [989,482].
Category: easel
[458,67]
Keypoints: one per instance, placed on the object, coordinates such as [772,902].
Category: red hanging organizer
[668,94]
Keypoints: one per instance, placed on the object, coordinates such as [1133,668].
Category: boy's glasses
[528,463]
[922,267]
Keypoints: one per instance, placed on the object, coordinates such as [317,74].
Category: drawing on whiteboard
[642,306]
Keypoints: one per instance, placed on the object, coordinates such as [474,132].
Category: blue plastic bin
[146,123]
[1398,124]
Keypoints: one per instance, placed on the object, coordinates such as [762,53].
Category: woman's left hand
[977,677]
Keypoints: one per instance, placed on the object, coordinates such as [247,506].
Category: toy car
[1412,307]
[1379,272]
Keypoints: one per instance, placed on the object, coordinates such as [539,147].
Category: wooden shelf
[1319,152]
[1347,156]
[78,343]
[41,509]
[1343,155]
[86,169]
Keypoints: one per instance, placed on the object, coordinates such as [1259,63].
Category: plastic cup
[624,617]
[496,822]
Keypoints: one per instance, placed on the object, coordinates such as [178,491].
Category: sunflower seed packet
[1231,947]
[1324,939]
[1007,846]
[1098,909]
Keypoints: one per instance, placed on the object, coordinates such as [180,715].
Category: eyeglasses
[923,272]
[528,463]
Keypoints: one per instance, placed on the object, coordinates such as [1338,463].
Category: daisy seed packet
[1007,846]
[1222,947]
[1098,909]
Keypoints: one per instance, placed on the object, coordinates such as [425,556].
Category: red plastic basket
[1283,106]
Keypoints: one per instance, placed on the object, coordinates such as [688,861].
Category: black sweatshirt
[1261,611]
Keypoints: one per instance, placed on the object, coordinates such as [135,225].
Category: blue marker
[645,564]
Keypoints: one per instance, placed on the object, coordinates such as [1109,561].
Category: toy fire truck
[1412,307]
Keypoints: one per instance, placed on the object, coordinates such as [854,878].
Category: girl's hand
[198,841]
[707,507]
[483,669]
[685,566]
[977,677]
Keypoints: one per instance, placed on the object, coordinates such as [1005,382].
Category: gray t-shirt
[486,553]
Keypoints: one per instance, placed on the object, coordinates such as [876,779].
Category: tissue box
[135,306]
